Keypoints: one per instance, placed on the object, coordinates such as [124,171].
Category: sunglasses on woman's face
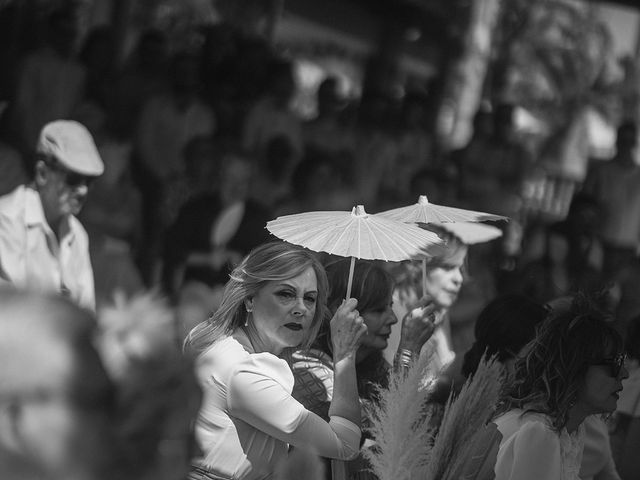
[615,364]
[71,179]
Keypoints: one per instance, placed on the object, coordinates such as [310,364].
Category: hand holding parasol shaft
[347,328]
[418,325]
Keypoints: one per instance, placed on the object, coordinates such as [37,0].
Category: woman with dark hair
[503,329]
[274,301]
[572,369]
[373,287]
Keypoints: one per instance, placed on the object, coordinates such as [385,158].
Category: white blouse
[532,450]
[248,417]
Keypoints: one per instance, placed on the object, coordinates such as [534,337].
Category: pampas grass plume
[400,427]
[464,416]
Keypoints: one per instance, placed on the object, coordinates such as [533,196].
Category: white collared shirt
[31,256]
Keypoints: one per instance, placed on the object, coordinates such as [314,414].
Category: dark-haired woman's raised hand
[417,327]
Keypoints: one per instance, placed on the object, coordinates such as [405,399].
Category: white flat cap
[72,145]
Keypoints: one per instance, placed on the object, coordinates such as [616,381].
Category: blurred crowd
[214,126]
[199,148]
[193,137]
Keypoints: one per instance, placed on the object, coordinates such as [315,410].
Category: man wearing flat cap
[43,246]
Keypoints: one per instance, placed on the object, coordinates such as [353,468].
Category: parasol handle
[424,277]
[350,282]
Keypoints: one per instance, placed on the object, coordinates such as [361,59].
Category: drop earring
[246,320]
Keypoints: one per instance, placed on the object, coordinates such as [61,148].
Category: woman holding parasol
[442,275]
[441,279]
[275,300]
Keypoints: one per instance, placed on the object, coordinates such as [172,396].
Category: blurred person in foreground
[573,369]
[274,301]
[313,368]
[55,397]
[43,246]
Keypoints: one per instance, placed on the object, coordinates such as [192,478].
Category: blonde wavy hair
[272,261]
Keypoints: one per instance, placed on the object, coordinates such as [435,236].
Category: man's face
[62,191]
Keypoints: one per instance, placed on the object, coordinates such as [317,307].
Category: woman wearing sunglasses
[572,369]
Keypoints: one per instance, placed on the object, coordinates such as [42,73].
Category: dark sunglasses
[615,364]
[72,179]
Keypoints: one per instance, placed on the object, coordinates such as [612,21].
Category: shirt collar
[34,214]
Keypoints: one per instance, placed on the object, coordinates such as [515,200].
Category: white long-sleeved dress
[248,417]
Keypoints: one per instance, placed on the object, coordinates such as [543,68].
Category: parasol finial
[358,211]
[423,200]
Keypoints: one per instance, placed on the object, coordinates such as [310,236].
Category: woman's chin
[377,344]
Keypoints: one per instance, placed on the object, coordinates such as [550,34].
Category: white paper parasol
[427,212]
[355,234]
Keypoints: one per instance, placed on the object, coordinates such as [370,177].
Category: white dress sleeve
[10,246]
[260,394]
[532,453]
